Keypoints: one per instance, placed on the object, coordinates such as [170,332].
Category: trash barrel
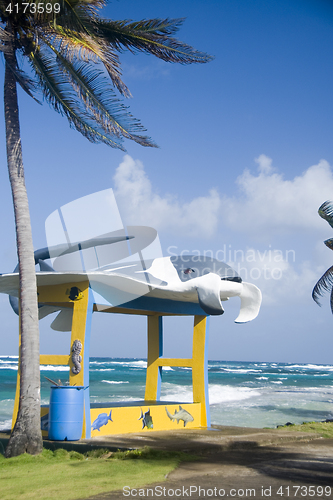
[66,413]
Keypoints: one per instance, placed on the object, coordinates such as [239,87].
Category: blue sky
[244,161]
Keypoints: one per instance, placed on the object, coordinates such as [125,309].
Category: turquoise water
[243,394]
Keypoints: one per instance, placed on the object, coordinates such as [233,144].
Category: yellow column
[155,350]
[80,311]
[200,367]
[80,307]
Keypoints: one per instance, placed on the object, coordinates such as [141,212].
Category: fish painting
[182,414]
[101,420]
[147,420]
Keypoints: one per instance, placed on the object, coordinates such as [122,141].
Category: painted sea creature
[182,414]
[76,357]
[147,420]
[101,420]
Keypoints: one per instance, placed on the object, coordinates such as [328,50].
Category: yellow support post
[80,308]
[155,350]
[79,324]
[200,367]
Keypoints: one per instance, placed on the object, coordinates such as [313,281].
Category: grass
[71,475]
[324,429]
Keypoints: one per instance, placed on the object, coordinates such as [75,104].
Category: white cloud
[268,203]
[139,204]
[264,164]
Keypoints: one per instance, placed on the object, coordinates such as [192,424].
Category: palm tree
[325,283]
[73,57]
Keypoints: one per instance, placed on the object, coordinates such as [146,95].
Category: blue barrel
[66,413]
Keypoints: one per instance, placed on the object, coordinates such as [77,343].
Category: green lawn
[324,429]
[70,475]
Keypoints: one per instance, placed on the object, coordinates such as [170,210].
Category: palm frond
[111,64]
[7,41]
[60,96]
[72,14]
[89,8]
[324,284]
[61,48]
[152,36]
[88,47]
[329,243]
[95,93]
[6,38]
[331,300]
[26,83]
[326,212]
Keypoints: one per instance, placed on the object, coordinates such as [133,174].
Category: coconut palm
[325,283]
[72,56]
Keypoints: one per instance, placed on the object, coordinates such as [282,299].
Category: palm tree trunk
[26,435]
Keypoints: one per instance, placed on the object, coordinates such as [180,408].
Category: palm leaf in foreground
[326,212]
[153,36]
[323,285]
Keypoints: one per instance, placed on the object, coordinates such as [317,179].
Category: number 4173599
[33,8]
[304,491]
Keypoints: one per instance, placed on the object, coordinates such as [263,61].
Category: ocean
[240,393]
